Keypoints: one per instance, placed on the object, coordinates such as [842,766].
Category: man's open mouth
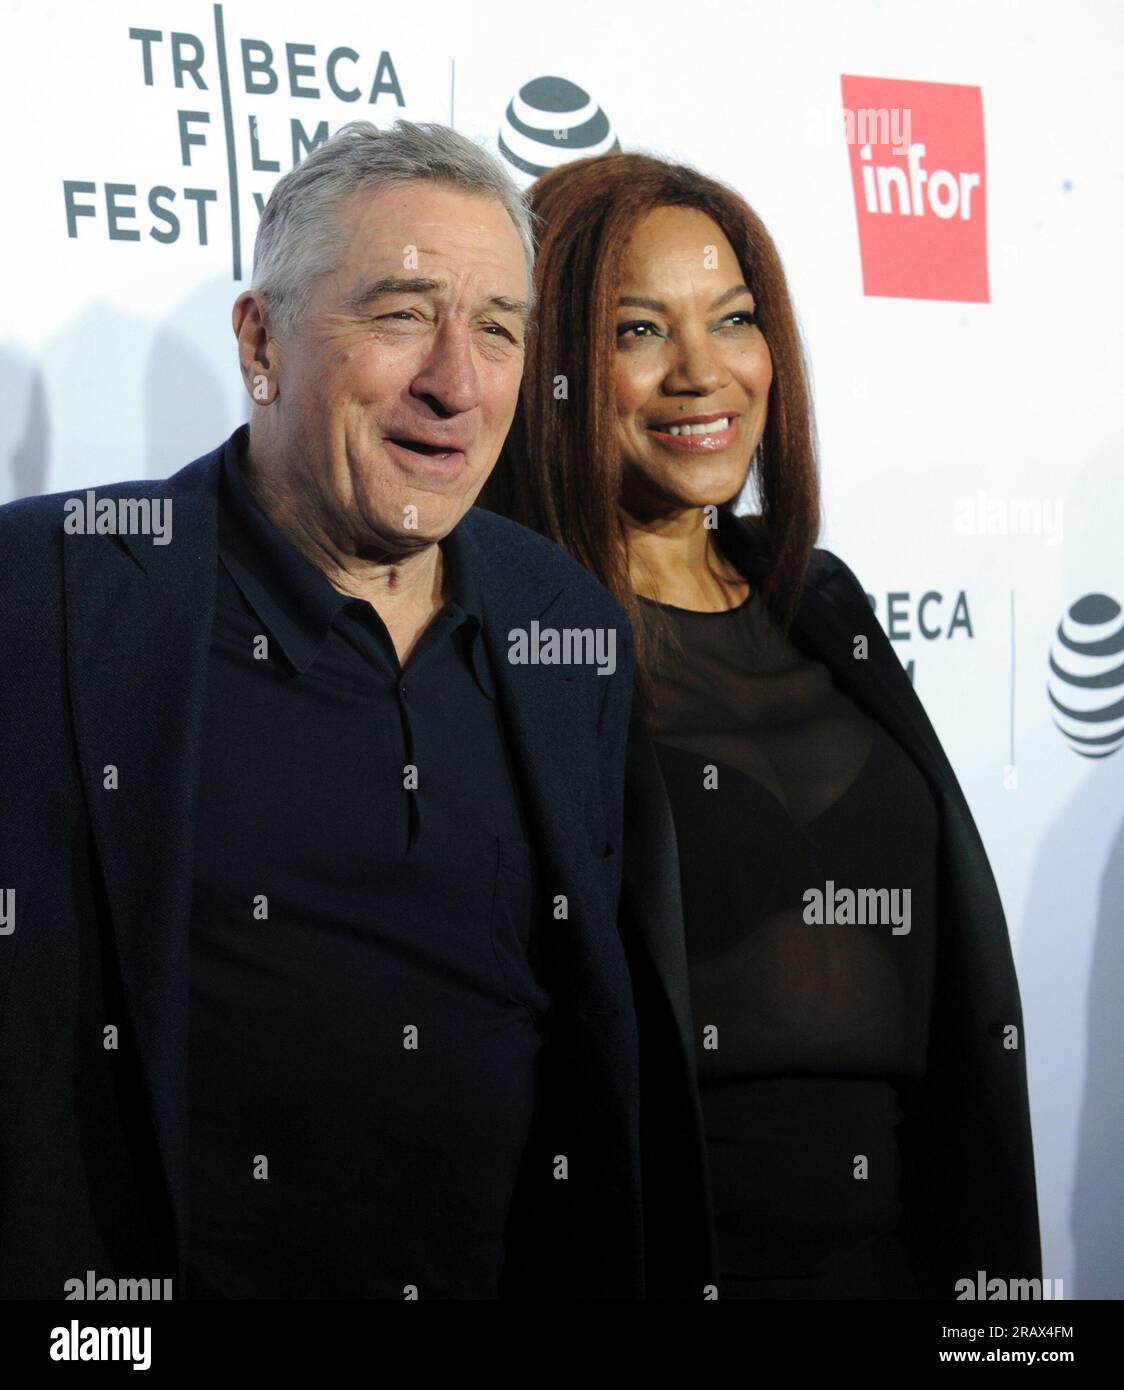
[419,446]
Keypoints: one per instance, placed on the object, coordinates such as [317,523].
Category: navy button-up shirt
[367,1001]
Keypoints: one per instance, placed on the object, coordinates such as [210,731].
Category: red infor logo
[917,164]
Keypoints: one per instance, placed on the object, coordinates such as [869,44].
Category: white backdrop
[938,415]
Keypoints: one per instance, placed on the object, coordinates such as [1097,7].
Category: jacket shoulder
[508,543]
[48,509]
[45,509]
[48,506]
[824,566]
[30,526]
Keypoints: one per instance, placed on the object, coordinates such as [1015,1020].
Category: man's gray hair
[298,237]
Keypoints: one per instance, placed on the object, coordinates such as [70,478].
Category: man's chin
[422,520]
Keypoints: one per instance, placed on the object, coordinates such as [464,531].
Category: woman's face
[687,353]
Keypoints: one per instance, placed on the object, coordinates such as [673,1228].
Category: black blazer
[105,644]
[968,1164]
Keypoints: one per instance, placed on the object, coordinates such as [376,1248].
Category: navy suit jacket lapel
[548,718]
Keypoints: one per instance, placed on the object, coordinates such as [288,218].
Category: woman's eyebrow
[636,301]
[734,292]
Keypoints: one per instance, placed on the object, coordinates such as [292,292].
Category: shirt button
[402,690]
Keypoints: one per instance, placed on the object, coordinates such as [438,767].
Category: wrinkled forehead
[434,229]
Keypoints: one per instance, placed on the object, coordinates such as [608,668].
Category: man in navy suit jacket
[311,977]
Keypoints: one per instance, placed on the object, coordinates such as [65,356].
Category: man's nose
[448,378]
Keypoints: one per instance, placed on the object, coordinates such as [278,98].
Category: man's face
[398,385]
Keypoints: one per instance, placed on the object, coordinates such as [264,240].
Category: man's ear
[258,353]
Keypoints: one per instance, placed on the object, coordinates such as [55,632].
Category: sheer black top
[807,841]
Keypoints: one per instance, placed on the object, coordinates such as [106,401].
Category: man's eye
[500,330]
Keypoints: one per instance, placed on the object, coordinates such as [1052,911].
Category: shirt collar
[293,598]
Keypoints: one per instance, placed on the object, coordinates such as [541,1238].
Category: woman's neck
[673,559]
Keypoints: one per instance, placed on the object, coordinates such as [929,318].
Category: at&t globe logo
[1086,682]
[550,122]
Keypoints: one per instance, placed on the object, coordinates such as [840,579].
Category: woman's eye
[641,328]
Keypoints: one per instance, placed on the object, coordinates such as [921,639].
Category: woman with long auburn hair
[834,1097]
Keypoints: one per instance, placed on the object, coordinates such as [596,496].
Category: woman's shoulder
[824,566]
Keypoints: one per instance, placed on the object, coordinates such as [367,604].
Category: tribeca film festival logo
[215,74]
[917,164]
[934,616]
[549,122]
[1086,680]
